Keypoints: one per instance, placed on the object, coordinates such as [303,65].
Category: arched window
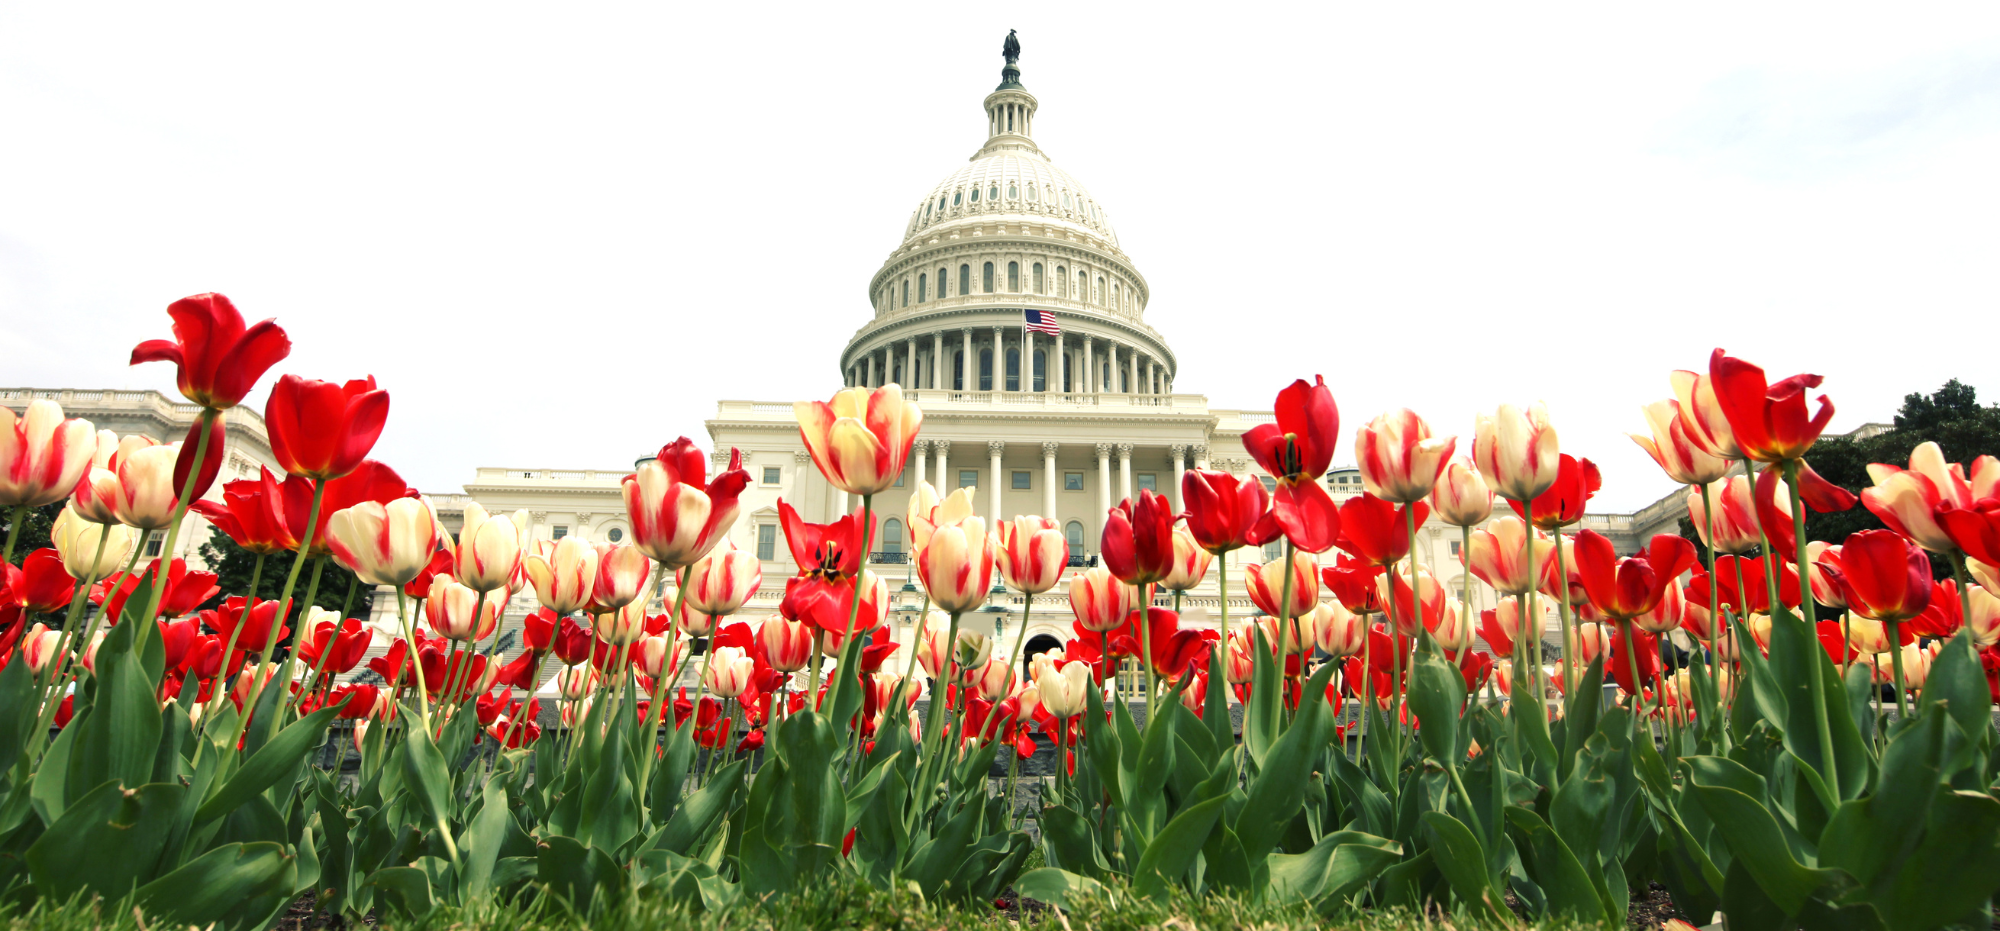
[964,280]
[927,213]
[1031,193]
[895,371]
[921,281]
[1012,191]
[986,370]
[906,292]
[1075,534]
[942,281]
[993,192]
[1065,372]
[957,197]
[1114,294]
[975,195]
[1014,277]
[1098,295]
[987,277]
[1038,278]
[958,370]
[1066,203]
[892,536]
[1013,370]
[1041,379]
[1062,279]
[1083,286]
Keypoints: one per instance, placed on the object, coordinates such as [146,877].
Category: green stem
[1896,662]
[46,713]
[1566,617]
[208,416]
[1764,545]
[1528,615]
[410,661]
[256,576]
[1815,682]
[1714,608]
[853,610]
[1284,623]
[1146,642]
[284,605]
[14,521]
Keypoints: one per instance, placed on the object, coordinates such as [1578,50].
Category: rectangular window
[968,478]
[1454,553]
[771,475]
[1147,481]
[559,531]
[153,545]
[1072,481]
[1270,484]
[899,475]
[767,541]
[1023,479]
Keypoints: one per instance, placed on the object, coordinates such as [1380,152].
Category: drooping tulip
[1138,545]
[1296,450]
[1769,421]
[1399,459]
[1885,577]
[219,359]
[1100,601]
[787,644]
[1674,447]
[42,456]
[1191,562]
[860,439]
[489,548]
[719,583]
[956,564]
[677,514]
[1733,509]
[564,573]
[384,544]
[1222,508]
[1496,557]
[1033,553]
[1517,450]
[322,430]
[79,542]
[449,607]
[1629,587]
[1265,584]
[1462,498]
[1577,481]
[1911,501]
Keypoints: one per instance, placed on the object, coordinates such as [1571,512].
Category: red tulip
[1627,588]
[323,430]
[1774,504]
[1399,459]
[1769,421]
[1222,508]
[442,561]
[344,646]
[40,585]
[1644,649]
[1732,510]
[829,551]
[1943,617]
[359,701]
[1296,450]
[184,590]
[370,481]
[390,664]
[219,359]
[252,513]
[1138,542]
[1914,502]
[1886,578]
[1352,583]
[42,456]
[1426,604]
[1577,480]
[1099,601]
[1375,531]
[538,632]
[258,631]
[677,513]
[1755,595]
[572,642]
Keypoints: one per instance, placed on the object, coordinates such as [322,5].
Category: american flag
[1041,321]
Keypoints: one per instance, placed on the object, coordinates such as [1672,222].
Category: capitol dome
[1009,278]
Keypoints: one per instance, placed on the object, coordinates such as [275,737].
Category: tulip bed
[174,760]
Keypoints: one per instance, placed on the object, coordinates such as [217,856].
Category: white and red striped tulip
[860,439]
[923,498]
[1099,600]
[449,606]
[723,580]
[1399,459]
[1984,618]
[1667,614]
[1453,631]
[729,671]
[1907,500]
[787,644]
[972,649]
[1430,598]
[1462,498]
[1240,656]
[38,646]
[78,540]
[622,571]
[1033,553]
[1290,637]
[1496,558]
[1734,512]
[1336,630]
[657,656]
[1265,584]
[1191,563]
[383,544]
[1707,426]
[578,681]
[42,456]
[564,573]
[956,564]
[677,513]
[951,509]
[995,679]
[622,626]
[1517,451]
[143,495]
[692,622]
[933,650]
[1820,556]
[490,548]
[1064,691]
[1672,445]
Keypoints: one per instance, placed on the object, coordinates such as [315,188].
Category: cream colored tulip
[384,544]
[563,572]
[729,671]
[1461,497]
[490,548]
[77,540]
[1517,451]
[42,456]
[1336,630]
[1064,691]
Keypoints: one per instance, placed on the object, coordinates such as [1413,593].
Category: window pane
[1147,481]
[767,541]
[770,475]
[892,536]
[1014,276]
[1075,533]
[616,534]
[1023,479]
[964,279]
[987,275]
[1072,481]
[968,478]
[1013,370]
[1270,484]
[559,531]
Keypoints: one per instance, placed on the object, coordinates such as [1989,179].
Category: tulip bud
[459,613]
[972,650]
[1452,631]
[1665,615]
[1592,641]
[787,644]
[621,576]
[1062,691]
[1728,522]
[1290,637]
[1984,619]
[995,679]
[564,573]
[576,682]
[1461,498]
[623,626]
[956,564]
[861,439]
[729,671]
[1099,600]
[42,456]
[489,548]
[657,656]
[1673,445]
[1517,451]
[145,495]
[1496,557]
[1032,553]
[723,580]
[1191,563]
[38,646]
[1240,657]
[1336,630]
[384,544]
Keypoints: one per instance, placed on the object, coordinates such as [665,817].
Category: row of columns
[1142,374]
[921,453]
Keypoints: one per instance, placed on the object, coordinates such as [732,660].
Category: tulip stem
[1286,627]
[654,711]
[1565,617]
[1528,615]
[854,609]
[15,519]
[208,415]
[409,660]
[945,680]
[256,577]
[1714,607]
[1764,544]
[1416,585]
[46,713]
[1814,681]
[1896,662]
[284,601]
[1021,638]
[1145,618]
[1957,558]
[1465,589]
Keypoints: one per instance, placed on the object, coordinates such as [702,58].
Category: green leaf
[1436,692]
[234,886]
[1278,792]
[405,889]
[479,846]
[808,745]
[1957,681]
[1580,719]
[424,774]
[1954,869]
[1566,886]
[579,873]
[1759,845]
[118,741]
[271,762]
[50,791]
[1168,854]
[1462,860]
[1067,841]
[702,811]
[108,842]
[1340,862]
[18,709]
[1867,835]
[1263,715]
[1101,744]
[1056,886]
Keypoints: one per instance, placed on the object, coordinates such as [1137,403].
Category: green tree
[34,530]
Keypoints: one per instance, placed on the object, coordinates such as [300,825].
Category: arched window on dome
[1066,202]
[957,197]
[941,282]
[986,370]
[993,192]
[1063,360]
[1013,370]
[964,280]
[1038,279]
[958,370]
[1041,379]
[1114,296]
[892,536]
[988,278]
[922,282]
[927,213]
[1012,191]
[1062,279]
[1031,193]
[975,195]
[1083,286]
[940,203]
[1098,295]
[906,292]
[1014,277]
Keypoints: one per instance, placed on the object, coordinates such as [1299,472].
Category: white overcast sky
[558,233]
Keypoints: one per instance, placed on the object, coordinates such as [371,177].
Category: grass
[852,906]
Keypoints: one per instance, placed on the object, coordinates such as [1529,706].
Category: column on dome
[965,366]
[839,505]
[868,371]
[937,361]
[1179,451]
[1027,359]
[1152,376]
[993,450]
[1088,383]
[1125,470]
[1103,486]
[999,357]
[1110,367]
[918,449]
[1049,479]
[1132,370]
[944,482]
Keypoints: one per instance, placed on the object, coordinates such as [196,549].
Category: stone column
[1103,486]
[910,366]
[1201,457]
[965,364]
[1125,470]
[868,370]
[918,449]
[839,505]
[1152,377]
[1132,367]
[937,361]
[944,480]
[1088,381]
[993,450]
[1000,356]
[1110,367]
[1049,480]
[1179,452]
[1027,360]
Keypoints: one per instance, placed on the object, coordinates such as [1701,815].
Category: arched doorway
[1039,643]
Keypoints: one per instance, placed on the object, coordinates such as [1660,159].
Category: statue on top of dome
[1012,50]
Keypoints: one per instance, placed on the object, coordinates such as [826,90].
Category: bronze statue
[1012,50]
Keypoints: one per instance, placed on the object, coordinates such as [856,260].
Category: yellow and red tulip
[721,582]
[1517,451]
[42,456]
[383,544]
[860,439]
[1461,498]
[1399,459]
[1674,447]
[677,513]
[1033,553]
[1265,583]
